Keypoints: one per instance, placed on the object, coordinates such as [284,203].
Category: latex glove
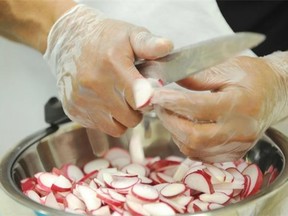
[244,97]
[93,59]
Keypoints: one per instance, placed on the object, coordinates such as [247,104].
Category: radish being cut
[142,91]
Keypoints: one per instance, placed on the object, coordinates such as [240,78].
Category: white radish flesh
[145,192]
[173,190]
[152,186]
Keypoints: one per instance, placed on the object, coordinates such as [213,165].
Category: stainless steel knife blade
[196,57]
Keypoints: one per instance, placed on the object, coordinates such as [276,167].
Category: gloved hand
[93,59]
[241,98]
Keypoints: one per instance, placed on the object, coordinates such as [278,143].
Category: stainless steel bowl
[53,147]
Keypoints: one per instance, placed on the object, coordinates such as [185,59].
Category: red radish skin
[256,177]
[28,184]
[155,186]
[61,184]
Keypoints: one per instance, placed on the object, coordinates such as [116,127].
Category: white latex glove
[93,59]
[242,98]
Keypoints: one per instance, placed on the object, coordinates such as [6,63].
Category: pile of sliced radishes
[115,185]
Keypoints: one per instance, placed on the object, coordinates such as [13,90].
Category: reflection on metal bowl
[55,146]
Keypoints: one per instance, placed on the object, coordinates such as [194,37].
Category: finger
[203,106]
[98,142]
[106,123]
[203,135]
[222,154]
[148,46]
[216,77]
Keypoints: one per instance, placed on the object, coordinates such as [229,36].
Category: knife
[194,58]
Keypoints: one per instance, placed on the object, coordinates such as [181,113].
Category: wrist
[29,22]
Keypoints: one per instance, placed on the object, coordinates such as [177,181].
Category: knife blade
[194,58]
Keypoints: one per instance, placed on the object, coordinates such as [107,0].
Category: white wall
[25,85]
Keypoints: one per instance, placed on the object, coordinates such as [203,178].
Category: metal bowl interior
[70,144]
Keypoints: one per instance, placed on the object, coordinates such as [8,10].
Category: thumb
[148,46]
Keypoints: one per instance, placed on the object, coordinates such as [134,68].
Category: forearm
[29,21]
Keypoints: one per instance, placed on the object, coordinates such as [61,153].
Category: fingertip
[149,46]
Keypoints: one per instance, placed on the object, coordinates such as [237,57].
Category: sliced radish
[88,177]
[145,180]
[89,197]
[51,201]
[33,195]
[73,202]
[182,200]
[106,198]
[154,186]
[199,181]
[181,171]
[46,180]
[61,184]
[162,164]
[116,196]
[216,172]
[145,192]
[134,168]
[256,177]
[219,198]
[176,206]
[160,186]
[115,153]
[199,205]
[102,211]
[173,190]
[164,178]
[213,206]
[158,209]
[96,164]
[120,162]
[73,172]
[124,182]
[136,208]
[28,184]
